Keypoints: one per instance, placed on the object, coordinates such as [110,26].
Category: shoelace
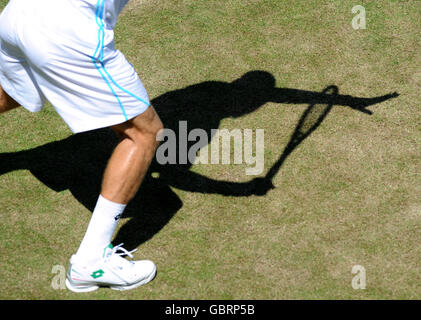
[124,252]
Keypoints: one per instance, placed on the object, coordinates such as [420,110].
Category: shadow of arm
[190,181]
[296,96]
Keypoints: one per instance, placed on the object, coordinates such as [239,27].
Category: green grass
[349,194]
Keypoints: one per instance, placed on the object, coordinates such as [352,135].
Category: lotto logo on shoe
[97,274]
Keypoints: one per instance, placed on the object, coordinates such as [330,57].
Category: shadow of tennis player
[78,162]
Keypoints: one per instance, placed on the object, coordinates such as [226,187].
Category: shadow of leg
[152,208]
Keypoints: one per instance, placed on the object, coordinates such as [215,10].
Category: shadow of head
[250,92]
[205,104]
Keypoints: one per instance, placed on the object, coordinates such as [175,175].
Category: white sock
[101,228]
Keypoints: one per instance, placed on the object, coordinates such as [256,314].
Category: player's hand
[261,186]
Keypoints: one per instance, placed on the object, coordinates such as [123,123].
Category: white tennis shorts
[63,51]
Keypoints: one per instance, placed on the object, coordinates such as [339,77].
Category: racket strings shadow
[309,121]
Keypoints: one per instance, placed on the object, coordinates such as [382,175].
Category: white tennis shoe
[112,271]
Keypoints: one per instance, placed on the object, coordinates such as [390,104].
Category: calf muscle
[131,158]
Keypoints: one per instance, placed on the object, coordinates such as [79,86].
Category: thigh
[146,123]
[7,102]
[16,77]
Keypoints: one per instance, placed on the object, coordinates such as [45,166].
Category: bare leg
[122,178]
[132,156]
[6,102]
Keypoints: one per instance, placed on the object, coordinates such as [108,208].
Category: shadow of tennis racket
[311,119]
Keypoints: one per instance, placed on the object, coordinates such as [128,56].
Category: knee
[152,127]
[142,130]
[152,132]
[146,137]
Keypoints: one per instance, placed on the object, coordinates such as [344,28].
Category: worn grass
[347,195]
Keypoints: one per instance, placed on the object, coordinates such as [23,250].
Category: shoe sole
[80,289]
[137,284]
[90,288]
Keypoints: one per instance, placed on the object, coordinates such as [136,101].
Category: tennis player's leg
[122,178]
[123,175]
[132,156]
[6,102]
